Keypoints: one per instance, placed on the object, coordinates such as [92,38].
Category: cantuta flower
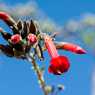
[15,39]
[70,47]
[29,32]
[58,64]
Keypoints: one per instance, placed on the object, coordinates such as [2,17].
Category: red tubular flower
[74,48]
[16,38]
[32,38]
[58,64]
[70,47]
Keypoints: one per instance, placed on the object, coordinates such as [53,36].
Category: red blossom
[32,38]
[58,64]
[16,38]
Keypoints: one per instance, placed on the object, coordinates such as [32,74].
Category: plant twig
[40,76]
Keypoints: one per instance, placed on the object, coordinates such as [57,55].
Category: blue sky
[16,76]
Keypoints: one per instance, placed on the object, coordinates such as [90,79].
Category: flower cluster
[26,36]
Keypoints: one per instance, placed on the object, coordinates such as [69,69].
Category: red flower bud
[70,47]
[59,64]
[16,38]
[4,16]
[32,38]
[74,48]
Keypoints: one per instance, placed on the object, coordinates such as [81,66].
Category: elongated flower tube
[58,64]
[70,47]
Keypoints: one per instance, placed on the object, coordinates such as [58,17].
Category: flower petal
[59,65]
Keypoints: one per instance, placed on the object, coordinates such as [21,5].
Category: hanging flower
[16,39]
[31,38]
[58,64]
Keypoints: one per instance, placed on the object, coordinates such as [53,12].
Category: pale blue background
[16,76]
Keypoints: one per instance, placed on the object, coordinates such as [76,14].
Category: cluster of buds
[22,38]
[26,35]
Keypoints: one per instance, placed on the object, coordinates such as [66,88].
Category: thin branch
[40,76]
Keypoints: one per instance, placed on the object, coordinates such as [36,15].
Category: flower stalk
[39,75]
